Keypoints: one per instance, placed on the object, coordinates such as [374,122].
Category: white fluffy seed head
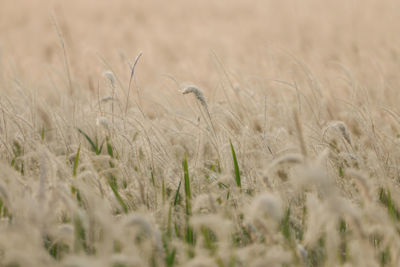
[203,203]
[341,127]
[141,222]
[103,122]
[267,205]
[197,92]
[110,76]
[303,252]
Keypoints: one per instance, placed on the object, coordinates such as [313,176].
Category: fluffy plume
[267,205]
[103,122]
[341,128]
[197,92]
[110,76]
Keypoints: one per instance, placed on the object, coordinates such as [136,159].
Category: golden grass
[284,152]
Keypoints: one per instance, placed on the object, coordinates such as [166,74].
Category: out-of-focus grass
[93,174]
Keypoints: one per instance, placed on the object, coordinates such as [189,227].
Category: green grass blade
[236,166]
[189,234]
[22,169]
[209,239]
[170,258]
[153,182]
[285,225]
[74,171]
[94,147]
[42,133]
[112,182]
[187,180]
[163,193]
[176,199]
[386,199]
[80,234]
[98,151]
[110,150]
[189,231]
[77,194]
[187,186]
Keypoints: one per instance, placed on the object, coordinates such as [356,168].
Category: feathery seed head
[267,205]
[101,121]
[110,76]
[197,92]
[341,127]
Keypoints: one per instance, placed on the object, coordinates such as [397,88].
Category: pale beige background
[177,37]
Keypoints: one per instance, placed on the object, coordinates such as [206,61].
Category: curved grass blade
[74,171]
[114,187]
[176,199]
[110,150]
[94,147]
[236,166]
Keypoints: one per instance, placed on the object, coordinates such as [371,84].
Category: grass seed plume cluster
[289,161]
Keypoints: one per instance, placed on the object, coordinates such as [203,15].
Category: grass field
[199,133]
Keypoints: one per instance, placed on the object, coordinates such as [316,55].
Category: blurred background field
[178,37]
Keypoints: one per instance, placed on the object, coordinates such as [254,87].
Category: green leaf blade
[75,169]
[236,167]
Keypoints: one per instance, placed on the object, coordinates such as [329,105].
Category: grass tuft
[96,147]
